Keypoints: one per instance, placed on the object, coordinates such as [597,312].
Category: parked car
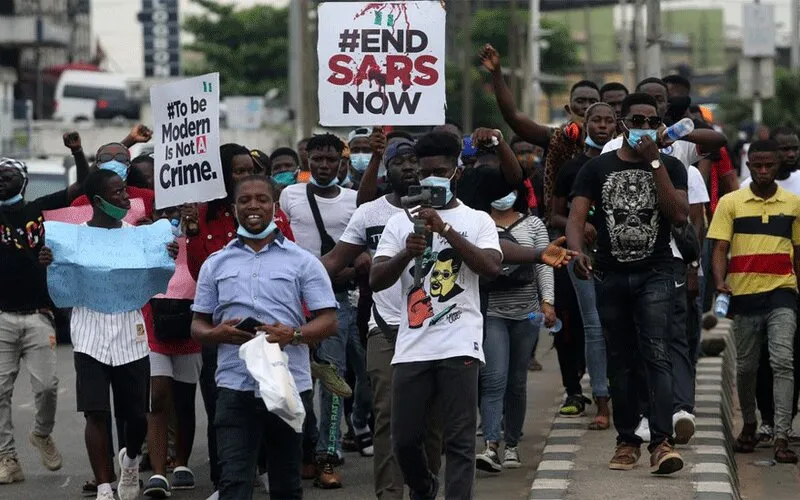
[117,109]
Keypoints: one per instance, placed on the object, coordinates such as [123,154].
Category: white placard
[381,63]
[186,130]
[758,30]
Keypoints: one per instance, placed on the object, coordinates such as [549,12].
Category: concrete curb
[714,473]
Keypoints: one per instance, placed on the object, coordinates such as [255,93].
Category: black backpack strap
[516,223]
[327,241]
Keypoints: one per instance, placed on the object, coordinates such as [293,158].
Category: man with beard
[638,194]
[363,233]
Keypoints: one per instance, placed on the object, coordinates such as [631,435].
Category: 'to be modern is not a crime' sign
[381,63]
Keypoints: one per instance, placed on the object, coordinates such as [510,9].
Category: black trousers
[569,342]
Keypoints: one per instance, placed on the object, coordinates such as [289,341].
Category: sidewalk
[574,463]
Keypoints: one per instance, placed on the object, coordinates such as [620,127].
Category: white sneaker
[488,461]
[643,431]
[104,495]
[683,424]
[128,486]
[511,458]
[214,496]
[265,481]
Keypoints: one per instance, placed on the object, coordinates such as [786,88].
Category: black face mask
[676,109]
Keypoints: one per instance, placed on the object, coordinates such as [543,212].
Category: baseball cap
[359,132]
[398,148]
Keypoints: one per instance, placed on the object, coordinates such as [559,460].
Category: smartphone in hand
[248,325]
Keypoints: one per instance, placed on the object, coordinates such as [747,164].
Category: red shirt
[148,198]
[719,169]
[218,232]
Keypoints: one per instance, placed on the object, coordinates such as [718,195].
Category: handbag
[687,242]
[172,319]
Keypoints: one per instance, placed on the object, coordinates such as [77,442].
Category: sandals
[746,443]
[601,422]
[783,455]
[574,405]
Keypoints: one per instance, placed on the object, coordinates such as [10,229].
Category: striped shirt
[762,235]
[112,339]
[517,303]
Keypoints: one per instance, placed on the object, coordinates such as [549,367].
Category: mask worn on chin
[14,199]
[244,233]
[118,168]
[333,182]
[506,202]
[590,142]
[444,182]
[359,161]
[636,134]
[285,178]
[113,211]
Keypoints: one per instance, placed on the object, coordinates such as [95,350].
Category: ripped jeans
[635,310]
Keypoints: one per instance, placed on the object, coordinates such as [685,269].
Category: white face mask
[506,202]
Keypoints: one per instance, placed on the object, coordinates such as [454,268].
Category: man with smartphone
[263,279]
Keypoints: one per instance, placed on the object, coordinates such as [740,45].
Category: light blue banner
[108,270]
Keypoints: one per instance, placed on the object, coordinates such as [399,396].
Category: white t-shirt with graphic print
[442,319]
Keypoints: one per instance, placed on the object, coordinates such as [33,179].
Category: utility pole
[587,30]
[758,114]
[513,52]
[639,36]
[534,34]
[795,54]
[653,63]
[466,67]
[625,43]
[297,24]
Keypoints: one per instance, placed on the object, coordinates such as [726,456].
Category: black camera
[426,196]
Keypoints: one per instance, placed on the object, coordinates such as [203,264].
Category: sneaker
[128,486]
[328,375]
[765,434]
[665,460]
[264,480]
[182,478]
[573,406]
[625,457]
[157,487]
[488,460]
[10,471]
[643,431]
[511,458]
[683,423]
[364,442]
[104,495]
[430,494]
[89,488]
[327,477]
[51,458]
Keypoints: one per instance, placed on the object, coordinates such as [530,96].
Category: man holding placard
[111,349]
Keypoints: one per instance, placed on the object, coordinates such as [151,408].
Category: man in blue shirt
[263,276]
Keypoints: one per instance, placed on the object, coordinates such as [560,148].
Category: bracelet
[500,133]
[446,228]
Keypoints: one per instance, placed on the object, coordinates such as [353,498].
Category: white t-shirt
[365,229]
[443,318]
[685,151]
[697,194]
[791,184]
[335,212]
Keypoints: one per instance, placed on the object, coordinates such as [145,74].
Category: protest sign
[182,285]
[381,63]
[108,270]
[187,164]
[83,213]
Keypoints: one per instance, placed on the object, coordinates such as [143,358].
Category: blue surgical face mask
[359,161]
[285,178]
[118,168]
[590,142]
[444,182]
[333,182]
[506,202]
[14,199]
[636,134]
[244,233]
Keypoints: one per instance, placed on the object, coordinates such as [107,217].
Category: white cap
[359,132]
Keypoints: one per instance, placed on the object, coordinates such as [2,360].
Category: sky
[122,41]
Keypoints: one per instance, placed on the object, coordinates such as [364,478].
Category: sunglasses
[637,121]
[120,157]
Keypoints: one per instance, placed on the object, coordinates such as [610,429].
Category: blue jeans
[635,309]
[507,347]
[596,362]
[339,350]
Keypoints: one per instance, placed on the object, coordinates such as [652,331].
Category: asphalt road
[543,387]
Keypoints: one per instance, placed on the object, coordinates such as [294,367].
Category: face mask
[444,182]
[590,142]
[333,182]
[506,202]
[113,211]
[14,199]
[244,233]
[359,161]
[118,168]
[285,178]
[636,134]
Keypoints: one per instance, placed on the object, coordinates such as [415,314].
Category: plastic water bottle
[680,129]
[538,318]
[721,305]
[176,227]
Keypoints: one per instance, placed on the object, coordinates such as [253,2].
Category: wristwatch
[548,302]
[446,228]
[297,338]
[655,163]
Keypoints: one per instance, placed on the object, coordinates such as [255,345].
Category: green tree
[782,109]
[248,47]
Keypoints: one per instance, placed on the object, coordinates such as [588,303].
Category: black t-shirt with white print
[632,233]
